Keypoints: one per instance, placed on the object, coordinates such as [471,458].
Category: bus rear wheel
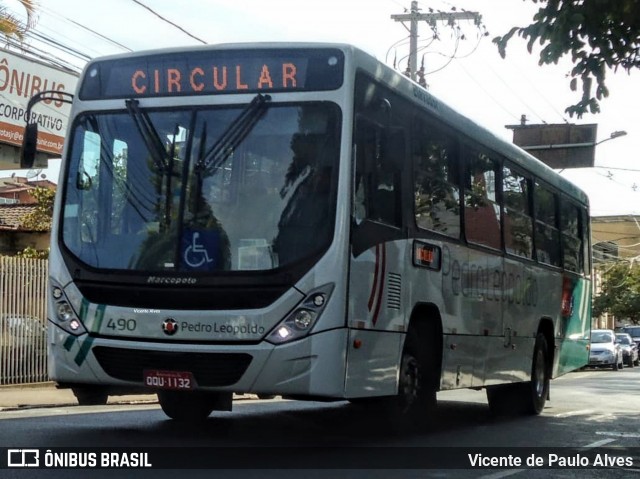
[528,397]
[190,406]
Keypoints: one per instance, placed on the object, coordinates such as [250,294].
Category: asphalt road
[588,409]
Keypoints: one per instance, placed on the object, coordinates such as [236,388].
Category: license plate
[182,380]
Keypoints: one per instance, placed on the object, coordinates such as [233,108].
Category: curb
[23,401]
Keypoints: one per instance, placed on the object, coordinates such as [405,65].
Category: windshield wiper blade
[235,133]
[148,133]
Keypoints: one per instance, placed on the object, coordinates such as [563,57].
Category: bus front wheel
[416,400]
[90,395]
[191,406]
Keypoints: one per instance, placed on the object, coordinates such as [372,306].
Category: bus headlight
[64,315]
[301,320]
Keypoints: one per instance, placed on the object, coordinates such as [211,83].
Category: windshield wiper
[163,159]
[235,134]
[148,133]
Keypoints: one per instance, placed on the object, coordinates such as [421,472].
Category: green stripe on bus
[68,343]
[86,345]
[84,351]
[99,316]
[84,308]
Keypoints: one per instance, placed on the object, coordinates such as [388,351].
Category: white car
[604,351]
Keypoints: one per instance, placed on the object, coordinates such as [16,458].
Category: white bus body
[375,298]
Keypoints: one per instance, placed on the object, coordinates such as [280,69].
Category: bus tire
[90,395]
[528,397]
[416,400]
[540,376]
[266,396]
[186,406]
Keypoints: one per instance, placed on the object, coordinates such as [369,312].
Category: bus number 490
[122,324]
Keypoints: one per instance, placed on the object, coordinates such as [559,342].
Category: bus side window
[547,235]
[482,211]
[518,224]
[436,190]
[376,186]
[571,241]
[585,235]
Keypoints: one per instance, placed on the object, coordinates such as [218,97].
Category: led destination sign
[214,72]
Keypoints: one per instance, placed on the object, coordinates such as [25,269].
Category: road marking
[618,434]
[600,443]
[575,413]
[501,474]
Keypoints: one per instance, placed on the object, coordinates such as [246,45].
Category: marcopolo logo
[170,326]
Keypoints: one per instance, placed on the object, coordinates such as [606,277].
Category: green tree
[40,218]
[598,35]
[11,26]
[620,293]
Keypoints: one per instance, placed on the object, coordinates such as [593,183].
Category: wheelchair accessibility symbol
[196,254]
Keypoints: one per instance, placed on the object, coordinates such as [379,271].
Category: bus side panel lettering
[472,280]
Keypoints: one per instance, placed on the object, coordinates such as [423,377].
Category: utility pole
[414,16]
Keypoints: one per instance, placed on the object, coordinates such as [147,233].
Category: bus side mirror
[29,145]
[30,138]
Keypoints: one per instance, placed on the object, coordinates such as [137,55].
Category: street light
[615,134]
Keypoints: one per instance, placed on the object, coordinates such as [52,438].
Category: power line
[169,21]
[618,169]
[414,16]
[53,13]
[43,55]
[54,43]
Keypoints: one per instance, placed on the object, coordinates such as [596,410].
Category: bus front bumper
[311,366]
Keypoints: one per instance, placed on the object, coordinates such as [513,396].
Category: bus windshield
[232,188]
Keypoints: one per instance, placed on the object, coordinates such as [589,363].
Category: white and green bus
[301,220]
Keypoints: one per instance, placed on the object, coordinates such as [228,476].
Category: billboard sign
[561,145]
[20,79]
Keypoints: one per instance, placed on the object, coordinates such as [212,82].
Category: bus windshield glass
[235,188]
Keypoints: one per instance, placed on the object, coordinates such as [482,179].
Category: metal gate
[23,332]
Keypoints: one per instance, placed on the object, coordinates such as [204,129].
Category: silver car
[604,350]
[629,349]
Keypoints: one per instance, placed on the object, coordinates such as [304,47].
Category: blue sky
[478,82]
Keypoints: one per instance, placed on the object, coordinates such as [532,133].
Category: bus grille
[208,369]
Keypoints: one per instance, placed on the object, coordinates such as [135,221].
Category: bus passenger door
[379,254]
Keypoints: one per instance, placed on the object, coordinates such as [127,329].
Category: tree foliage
[620,293]
[40,218]
[598,35]
[31,253]
[11,26]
